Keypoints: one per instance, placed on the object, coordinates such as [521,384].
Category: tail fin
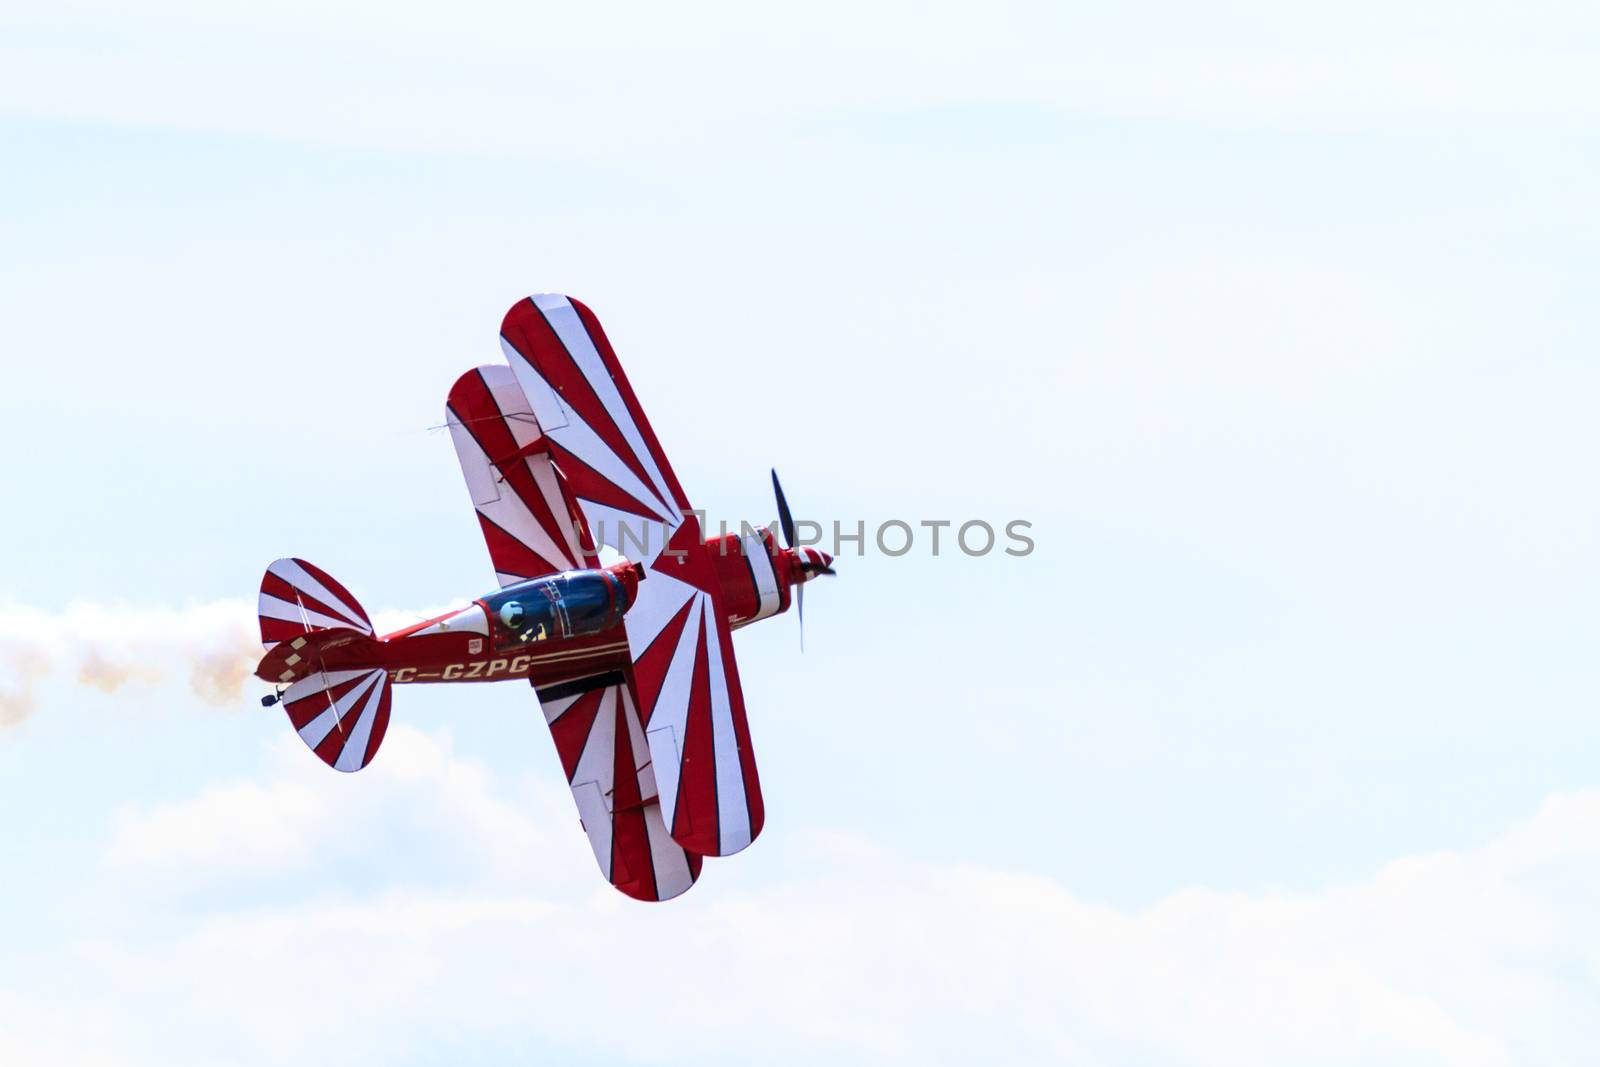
[320,642]
[298,599]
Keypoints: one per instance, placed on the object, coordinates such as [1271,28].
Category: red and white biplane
[633,663]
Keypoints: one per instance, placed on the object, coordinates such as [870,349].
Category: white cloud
[239,826]
[302,821]
[810,947]
[57,1050]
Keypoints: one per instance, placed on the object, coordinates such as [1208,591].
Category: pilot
[515,618]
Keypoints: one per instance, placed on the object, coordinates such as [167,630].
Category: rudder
[298,599]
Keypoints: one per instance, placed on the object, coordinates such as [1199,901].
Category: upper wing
[527,520]
[596,430]
[596,728]
[687,685]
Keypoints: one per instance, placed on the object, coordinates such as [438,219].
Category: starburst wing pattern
[528,522]
[597,432]
[686,679]
[687,685]
[595,724]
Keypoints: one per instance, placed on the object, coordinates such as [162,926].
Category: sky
[1275,323]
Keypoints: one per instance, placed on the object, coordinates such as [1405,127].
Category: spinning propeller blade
[786,521]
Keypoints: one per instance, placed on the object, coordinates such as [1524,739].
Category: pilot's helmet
[512,616]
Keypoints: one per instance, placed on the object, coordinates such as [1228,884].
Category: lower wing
[690,701]
[595,724]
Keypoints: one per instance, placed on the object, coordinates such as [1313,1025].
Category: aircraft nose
[814,561]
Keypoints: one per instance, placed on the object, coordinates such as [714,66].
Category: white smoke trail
[214,647]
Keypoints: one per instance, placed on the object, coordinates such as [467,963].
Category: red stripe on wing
[531,334]
[591,485]
[571,730]
[650,669]
[608,356]
[637,855]
[709,817]
[755,808]
[694,823]
[632,867]
[473,404]
[511,556]
[529,522]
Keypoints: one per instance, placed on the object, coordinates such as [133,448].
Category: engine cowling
[749,569]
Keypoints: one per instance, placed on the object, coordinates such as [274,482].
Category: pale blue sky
[1276,322]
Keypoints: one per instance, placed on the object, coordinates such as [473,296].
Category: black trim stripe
[579,686]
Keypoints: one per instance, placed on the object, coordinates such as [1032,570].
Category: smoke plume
[213,647]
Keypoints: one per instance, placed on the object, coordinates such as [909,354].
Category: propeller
[785,519]
[786,522]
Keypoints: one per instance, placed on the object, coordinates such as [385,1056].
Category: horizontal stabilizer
[341,715]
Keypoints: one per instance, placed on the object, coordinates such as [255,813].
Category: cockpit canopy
[570,604]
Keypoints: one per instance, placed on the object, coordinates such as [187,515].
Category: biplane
[632,660]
